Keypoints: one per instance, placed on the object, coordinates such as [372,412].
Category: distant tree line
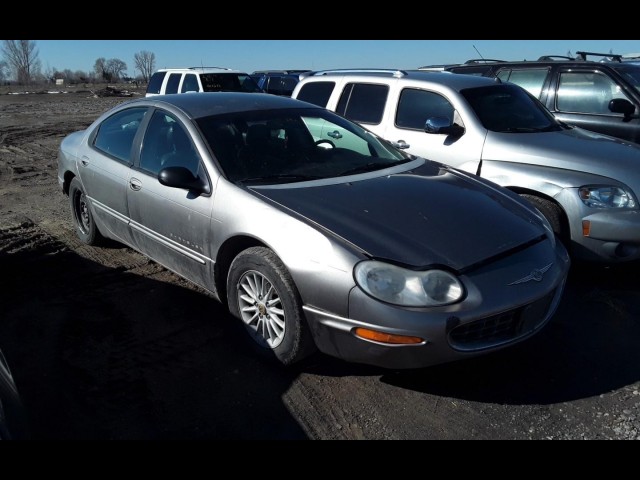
[19,63]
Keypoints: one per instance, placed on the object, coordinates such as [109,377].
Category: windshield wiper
[548,128]
[280,176]
[521,130]
[371,166]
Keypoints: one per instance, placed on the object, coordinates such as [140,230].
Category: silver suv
[585,183]
[200,79]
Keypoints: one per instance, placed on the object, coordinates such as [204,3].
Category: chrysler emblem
[536,275]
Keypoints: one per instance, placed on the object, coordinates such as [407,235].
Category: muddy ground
[105,344]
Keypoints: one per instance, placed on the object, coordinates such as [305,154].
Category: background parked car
[358,249]
[278,82]
[601,96]
[586,184]
[200,79]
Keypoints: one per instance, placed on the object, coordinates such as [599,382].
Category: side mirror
[442,125]
[181,177]
[622,105]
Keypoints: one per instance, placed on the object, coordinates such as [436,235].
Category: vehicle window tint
[181,152]
[363,102]
[416,106]
[288,84]
[317,93]
[478,71]
[116,134]
[173,82]
[586,92]
[220,82]
[155,83]
[156,142]
[248,84]
[273,85]
[190,84]
[506,107]
[529,79]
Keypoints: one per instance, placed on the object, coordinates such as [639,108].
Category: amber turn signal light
[387,337]
[586,228]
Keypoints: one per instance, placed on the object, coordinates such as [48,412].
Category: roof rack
[283,72]
[393,71]
[438,67]
[482,60]
[546,58]
[201,68]
[612,56]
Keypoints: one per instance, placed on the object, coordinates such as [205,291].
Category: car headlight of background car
[410,288]
[606,196]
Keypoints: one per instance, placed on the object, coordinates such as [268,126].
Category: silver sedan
[361,251]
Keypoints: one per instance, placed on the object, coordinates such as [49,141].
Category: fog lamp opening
[586,228]
[389,338]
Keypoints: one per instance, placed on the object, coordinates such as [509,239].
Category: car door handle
[334,134]
[401,144]
[135,184]
[84,160]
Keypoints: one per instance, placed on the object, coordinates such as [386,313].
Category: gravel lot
[105,344]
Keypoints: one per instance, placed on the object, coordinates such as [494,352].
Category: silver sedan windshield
[290,145]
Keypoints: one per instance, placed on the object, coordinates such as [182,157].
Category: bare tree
[145,62]
[4,71]
[100,67]
[116,68]
[22,57]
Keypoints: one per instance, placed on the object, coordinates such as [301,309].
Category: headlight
[409,288]
[606,196]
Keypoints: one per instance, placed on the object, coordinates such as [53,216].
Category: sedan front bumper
[495,313]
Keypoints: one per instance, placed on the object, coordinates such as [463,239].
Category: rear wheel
[261,293]
[81,215]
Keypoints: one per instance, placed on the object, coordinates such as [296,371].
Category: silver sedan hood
[572,149]
[431,215]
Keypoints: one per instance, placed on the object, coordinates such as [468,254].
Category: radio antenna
[474,47]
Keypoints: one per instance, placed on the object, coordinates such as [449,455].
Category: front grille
[502,328]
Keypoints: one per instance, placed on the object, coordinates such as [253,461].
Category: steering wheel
[325,140]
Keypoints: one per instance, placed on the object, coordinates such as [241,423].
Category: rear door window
[363,102]
[117,133]
[173,82]
[531,79]
[317,93]
[190,83]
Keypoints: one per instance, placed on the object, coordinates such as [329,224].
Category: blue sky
[250,55]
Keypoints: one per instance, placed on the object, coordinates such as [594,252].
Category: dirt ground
[105,344]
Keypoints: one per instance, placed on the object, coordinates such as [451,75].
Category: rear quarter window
[317,93]
[155,83]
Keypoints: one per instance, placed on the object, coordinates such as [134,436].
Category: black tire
[275,322]
[553,213]
[81,215]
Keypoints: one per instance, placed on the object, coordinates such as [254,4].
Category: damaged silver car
[359,250]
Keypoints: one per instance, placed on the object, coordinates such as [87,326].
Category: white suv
[586,184]
[200,79]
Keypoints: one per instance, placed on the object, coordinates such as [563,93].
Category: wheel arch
[229,249]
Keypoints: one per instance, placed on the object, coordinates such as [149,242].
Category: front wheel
[554,214]
[261,293]
[81,215]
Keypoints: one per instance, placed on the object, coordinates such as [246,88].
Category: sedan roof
[202,104]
